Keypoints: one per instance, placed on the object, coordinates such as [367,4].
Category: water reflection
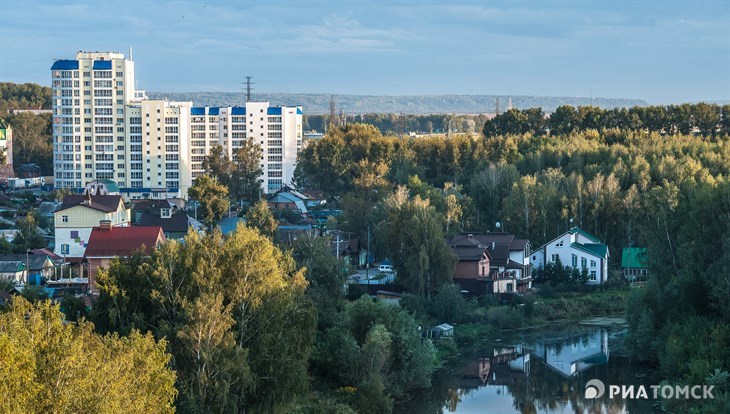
[543,371]
[569,356]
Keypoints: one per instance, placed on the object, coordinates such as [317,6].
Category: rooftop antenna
[130,53]
[248,88]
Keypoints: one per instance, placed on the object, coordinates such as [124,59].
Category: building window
[583,262]
[592,275]
[554,258]
[574,261]
[64,219]
[559,244]
[593,263]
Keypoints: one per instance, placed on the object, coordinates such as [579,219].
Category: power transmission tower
[248,88]
[496,106]
[333,113]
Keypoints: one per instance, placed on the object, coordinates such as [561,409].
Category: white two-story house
[79,214]
[577,249]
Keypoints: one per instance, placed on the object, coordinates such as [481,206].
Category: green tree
[218,165]
[234,310]
[212,196]
[412,233]
[28,236]
[32,140]
[246,171]
[259,217]
[325,275]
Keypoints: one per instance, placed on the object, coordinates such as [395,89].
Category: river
[543,370]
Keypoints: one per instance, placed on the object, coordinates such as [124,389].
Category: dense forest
[664,187]
[24,96]
[400,124]
[32,135]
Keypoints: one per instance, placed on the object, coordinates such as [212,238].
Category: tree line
[400,124]
[24,96]
[667,191]
[704,118]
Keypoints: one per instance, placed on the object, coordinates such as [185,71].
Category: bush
[505,317]
[450,306]
[371,397]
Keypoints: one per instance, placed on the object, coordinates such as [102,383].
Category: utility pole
[338,249]
[367,259]
[248,88]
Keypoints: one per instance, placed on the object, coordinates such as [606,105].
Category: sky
[661,51]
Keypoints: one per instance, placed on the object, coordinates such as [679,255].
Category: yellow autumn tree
[48,365]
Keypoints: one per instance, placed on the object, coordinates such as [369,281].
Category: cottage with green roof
[578,249]
[633,263]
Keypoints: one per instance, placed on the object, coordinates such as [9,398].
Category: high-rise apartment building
[90,94]
[104,129]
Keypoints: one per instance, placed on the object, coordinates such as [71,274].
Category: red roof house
[107,242]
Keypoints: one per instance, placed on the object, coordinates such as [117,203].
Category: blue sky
[660,51]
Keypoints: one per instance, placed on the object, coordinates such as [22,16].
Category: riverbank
[530,312]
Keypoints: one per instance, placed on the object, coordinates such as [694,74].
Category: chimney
[470,235]
[493,244]
[105,225]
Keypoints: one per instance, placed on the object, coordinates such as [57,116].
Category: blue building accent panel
[102,65]
[238,110]
[197,110]
[65,64]
[274,110]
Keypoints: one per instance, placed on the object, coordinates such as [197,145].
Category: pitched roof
[498,245]
[11,266]
[35,262]
[634,257]
[585,234]
[123,241]
[105,203]
[111,185]
[151,204]
[228,224]
[47,207]
[46,252]
[177,223]
[597,249]
[288,198]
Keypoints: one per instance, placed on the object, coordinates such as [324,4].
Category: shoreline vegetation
[245,322]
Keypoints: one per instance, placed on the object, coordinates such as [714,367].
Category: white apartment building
[277,129]
[89,98]
[104,129]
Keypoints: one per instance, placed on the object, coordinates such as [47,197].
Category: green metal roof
[598,249]
[584,234]
[634,257]
[111,186]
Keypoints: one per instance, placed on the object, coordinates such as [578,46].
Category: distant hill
[423,104]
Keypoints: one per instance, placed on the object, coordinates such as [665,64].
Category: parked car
[385,268]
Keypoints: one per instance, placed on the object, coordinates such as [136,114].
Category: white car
[385,268]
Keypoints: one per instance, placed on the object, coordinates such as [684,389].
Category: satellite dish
[498,224]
